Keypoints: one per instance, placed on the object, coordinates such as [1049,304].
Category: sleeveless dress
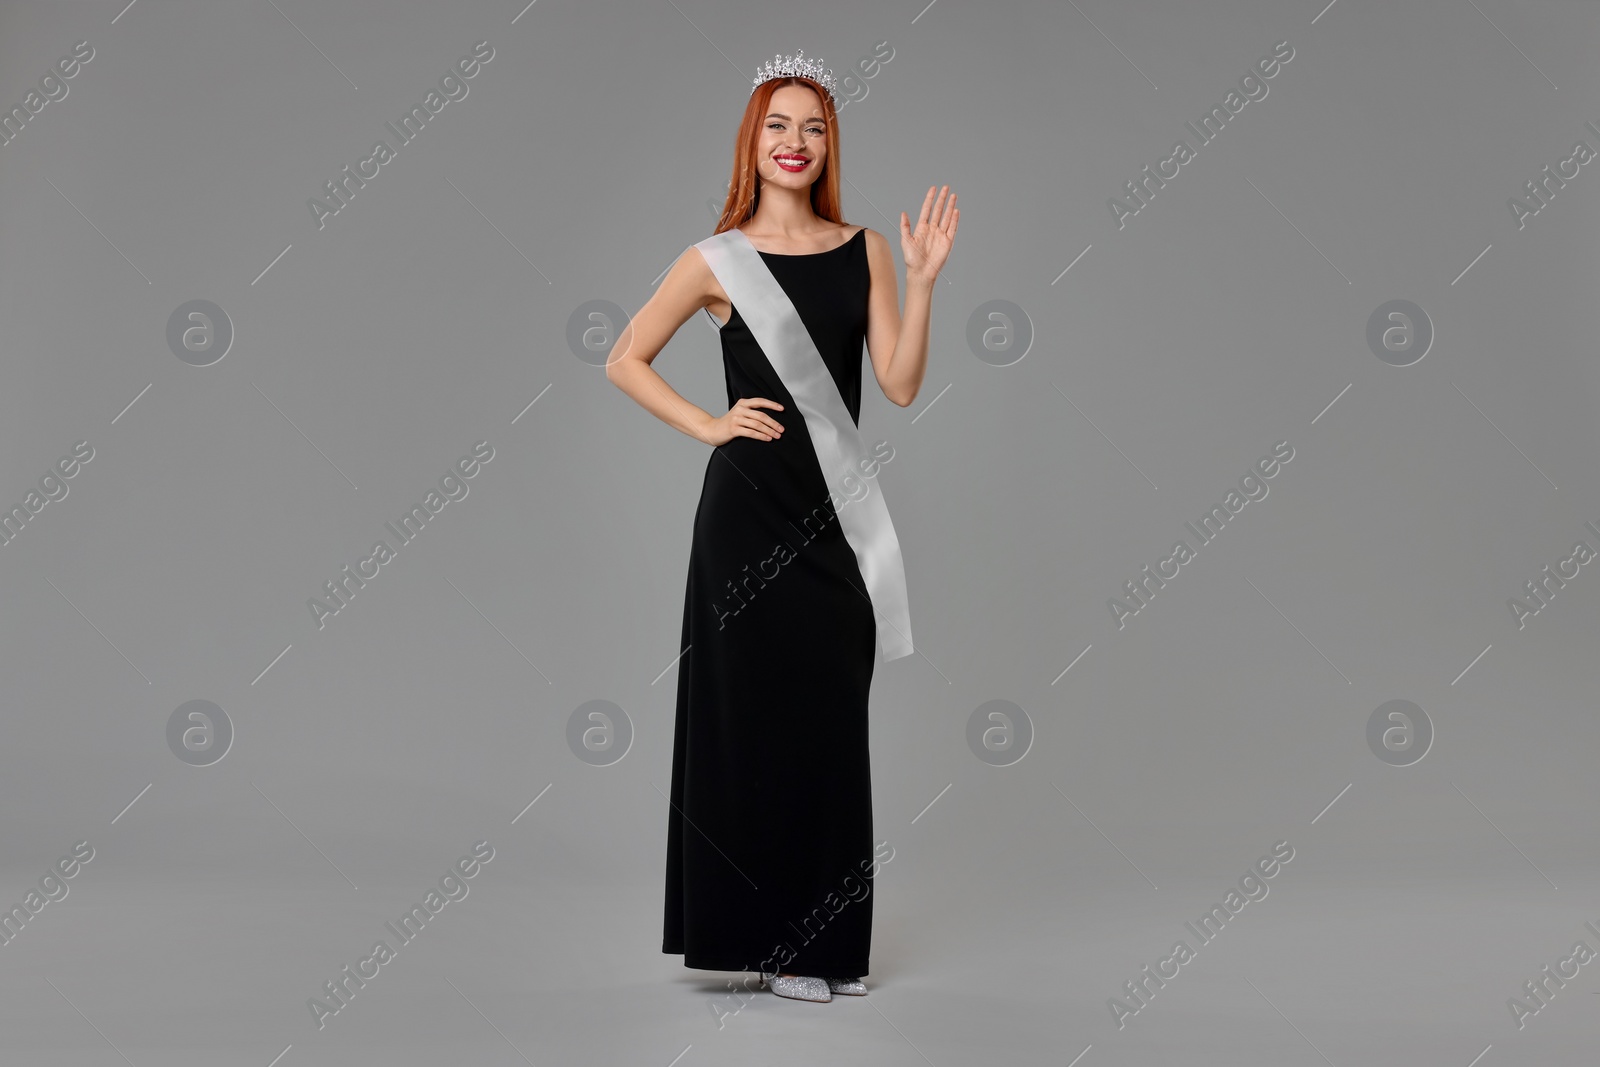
[769,834]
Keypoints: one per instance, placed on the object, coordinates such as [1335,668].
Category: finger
[927,202]
[922,215]
[754,428]
[751,401]
[765,422]
[944,224]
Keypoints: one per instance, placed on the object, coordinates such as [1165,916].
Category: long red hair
[744,188]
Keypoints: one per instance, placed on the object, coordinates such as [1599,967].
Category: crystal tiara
[797,64]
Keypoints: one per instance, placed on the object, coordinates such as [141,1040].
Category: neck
[785,211]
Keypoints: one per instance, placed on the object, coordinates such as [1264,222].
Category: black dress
[769,833]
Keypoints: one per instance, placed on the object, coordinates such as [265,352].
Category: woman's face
[794,138]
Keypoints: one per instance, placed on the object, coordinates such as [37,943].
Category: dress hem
[710,963]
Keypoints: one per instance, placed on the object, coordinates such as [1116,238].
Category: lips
[793,164]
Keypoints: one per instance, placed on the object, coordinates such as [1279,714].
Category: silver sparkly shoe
[850,987]
[797,987]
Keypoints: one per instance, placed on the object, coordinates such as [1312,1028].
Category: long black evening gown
[769,834]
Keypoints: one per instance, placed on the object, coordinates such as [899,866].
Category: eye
[818,130]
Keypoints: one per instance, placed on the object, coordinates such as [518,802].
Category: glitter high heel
[797,987]
[850,987]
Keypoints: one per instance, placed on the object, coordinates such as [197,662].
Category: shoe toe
[800,987]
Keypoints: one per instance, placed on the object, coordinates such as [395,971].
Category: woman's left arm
[899,349]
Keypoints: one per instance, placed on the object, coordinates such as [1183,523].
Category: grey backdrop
[1040,860]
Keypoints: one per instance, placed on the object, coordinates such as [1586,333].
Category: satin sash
[783,337]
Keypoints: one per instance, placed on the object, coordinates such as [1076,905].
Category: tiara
[792,66]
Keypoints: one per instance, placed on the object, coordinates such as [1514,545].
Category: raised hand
[926,250]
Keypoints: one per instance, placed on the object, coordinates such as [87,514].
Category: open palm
[926,249]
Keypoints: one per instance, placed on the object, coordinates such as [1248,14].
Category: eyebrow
[781,115]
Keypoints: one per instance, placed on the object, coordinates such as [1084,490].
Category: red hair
[744,187]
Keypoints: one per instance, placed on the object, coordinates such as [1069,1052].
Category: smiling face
[794,138]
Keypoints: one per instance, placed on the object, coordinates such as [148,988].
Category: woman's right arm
[685,290]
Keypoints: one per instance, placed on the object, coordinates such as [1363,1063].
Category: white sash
[783,337]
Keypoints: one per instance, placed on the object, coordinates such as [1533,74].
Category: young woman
[795,573]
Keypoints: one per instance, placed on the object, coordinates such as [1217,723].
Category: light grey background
[370,355]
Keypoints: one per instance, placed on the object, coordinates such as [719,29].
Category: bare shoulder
[692,285]
[880,258]
[692,261]
[691,272]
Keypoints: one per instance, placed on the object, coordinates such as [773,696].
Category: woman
[795,572]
